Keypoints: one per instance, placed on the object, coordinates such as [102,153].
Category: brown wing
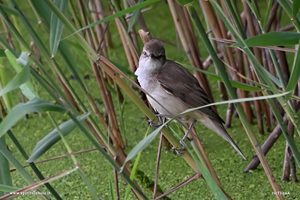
[182,84]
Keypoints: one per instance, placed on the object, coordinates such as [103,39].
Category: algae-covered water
[227,163]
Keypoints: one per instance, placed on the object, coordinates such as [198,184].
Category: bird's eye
[145,54]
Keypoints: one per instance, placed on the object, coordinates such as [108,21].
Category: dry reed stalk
[101,13]
[214,24]
[219,31]
[131,62]
[254,94]
[157,165]
[289,165]
[258,54]
[100,29]
[266,146]
[67,92]
[106,97]
[141,19]
[230,54]
[207,161]
[191,53]
[229,115]
[286,165]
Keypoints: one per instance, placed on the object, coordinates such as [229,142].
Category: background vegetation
[69,64]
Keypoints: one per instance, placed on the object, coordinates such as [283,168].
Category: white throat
[147,72]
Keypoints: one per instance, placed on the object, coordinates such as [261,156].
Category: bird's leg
[188,131]
[155,125]
[184,137]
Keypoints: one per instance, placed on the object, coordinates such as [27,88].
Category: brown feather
[182,84]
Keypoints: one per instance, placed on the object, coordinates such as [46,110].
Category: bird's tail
[221,131]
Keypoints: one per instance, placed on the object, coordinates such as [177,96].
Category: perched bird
[177,90]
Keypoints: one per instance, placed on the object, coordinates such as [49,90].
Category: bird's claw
[155,125]
[181,149]
[159,116]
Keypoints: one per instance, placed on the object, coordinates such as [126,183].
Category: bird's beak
[151,55]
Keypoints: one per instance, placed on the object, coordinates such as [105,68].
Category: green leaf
[184,2]
[43,10]
[253,8]
[68,56]
[2,54]
[235,84]
[119,14]
[134,169]
[135,16]
[27,88]
[143,144]
[14,162]
[9,10]
[272,39]
[7,188]
[53,137]
[296,7]
[5,176]
[20,110]
[56,26]
[295,74]
[273,78]
[23,59]
[17,81]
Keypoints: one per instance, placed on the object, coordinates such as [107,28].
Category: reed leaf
[272,39]
[295,74]
[53,137]
[235,84]
[56,26]
[8,188]
[17,81]
[26,88]
[20,110]
[118,14]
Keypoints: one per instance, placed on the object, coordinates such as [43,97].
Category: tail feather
[221,131]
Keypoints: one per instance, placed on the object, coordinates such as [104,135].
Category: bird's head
[154,54]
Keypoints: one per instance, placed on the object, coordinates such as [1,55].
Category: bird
[176,90]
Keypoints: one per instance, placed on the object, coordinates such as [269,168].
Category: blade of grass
[110,183]
[20,110]
[232,93]
[134,168]
[9,156]
[119,14]
[146,141]
[272,39]
[7,188]
[27,88]
[296,7]
[295,73]
[76,163]
[214,187]
[134,17]
[5,177]
[17,81]
[284,4]
[56,26]
[53,137]
[38,184]
[267,15]
[235,84]
[3,82]
[264,78]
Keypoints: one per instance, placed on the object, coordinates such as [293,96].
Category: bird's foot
[155,125]
[181,149]
[160,122]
